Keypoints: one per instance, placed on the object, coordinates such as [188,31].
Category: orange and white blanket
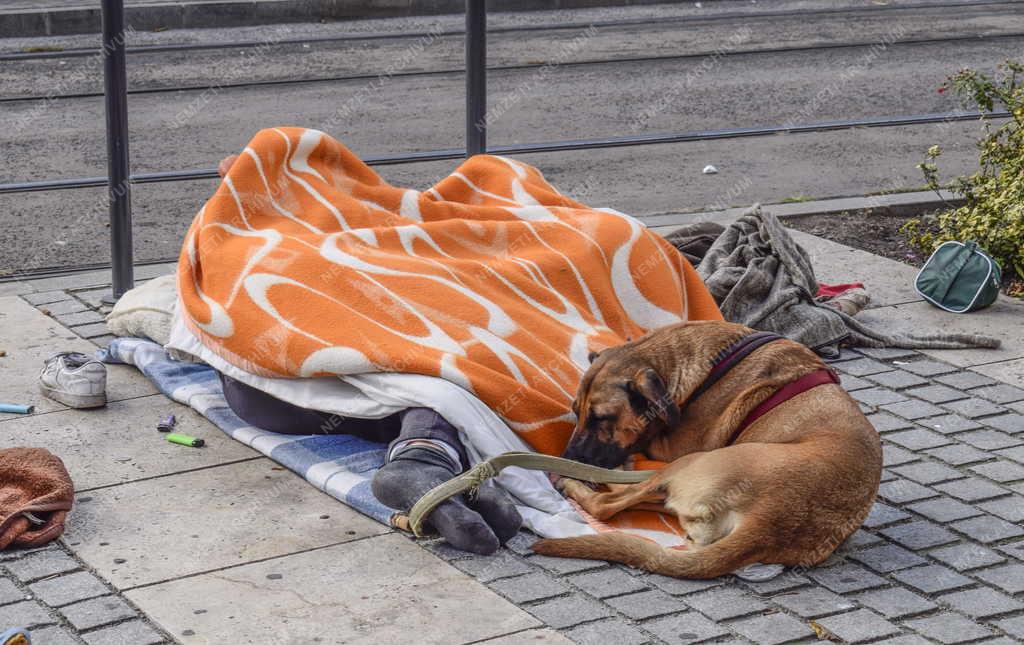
[305,263]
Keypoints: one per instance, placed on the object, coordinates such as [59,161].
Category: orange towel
[306,263]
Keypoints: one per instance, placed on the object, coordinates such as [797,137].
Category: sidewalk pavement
[221,545]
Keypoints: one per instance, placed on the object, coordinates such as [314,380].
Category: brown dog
[788,488]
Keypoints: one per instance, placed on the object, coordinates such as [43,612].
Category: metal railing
[119,180]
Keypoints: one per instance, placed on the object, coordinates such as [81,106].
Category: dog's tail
[716,559]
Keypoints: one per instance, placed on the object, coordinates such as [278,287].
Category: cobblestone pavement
[53,593]
[939,559]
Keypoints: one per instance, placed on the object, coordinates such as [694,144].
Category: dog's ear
[592,356]
[648,384]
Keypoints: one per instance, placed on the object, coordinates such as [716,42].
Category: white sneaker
[74,379]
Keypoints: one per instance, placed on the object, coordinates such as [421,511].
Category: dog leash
[478,474]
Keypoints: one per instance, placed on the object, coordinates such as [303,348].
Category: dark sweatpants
[262,410]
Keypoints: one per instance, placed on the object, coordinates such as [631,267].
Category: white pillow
[146,311]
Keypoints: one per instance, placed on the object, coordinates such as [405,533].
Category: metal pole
[476,77]
[115,87]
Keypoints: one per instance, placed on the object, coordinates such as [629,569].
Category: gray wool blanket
[762,278]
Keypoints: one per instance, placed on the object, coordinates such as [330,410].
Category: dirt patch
[875,231]
[878,232]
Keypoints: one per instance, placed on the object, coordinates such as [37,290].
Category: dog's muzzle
[589,450]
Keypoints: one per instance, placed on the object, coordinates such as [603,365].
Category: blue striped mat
[340,465]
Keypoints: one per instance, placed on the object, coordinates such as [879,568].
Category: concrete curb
[908,204]
[60,21]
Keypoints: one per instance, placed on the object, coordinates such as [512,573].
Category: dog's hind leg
[604,504]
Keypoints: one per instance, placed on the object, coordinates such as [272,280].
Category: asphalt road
[554,84]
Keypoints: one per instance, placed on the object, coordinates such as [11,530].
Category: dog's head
[622,404]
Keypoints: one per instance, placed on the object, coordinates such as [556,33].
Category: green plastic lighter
[185,440]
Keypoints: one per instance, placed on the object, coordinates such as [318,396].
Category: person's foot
[74,379]
[479,525]
[225,164]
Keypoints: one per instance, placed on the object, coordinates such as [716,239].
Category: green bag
[959,277]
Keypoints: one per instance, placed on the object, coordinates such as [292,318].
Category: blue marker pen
[17,409]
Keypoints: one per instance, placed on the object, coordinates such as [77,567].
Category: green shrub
[993,212]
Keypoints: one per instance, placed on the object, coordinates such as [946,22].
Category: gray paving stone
[896,602]
[964,557]
[568,611]
[612,630]
[785,581]
[41,564]
[858,540]
[885,422]
[862,367]
[887,558]
[853,383]
[988,529]
[950,423]
[937,393]
[69,306]
[9,592]
[27,613]
[46,297]
[1000,393]
[681,586]
[982,602]
[531,587]
[565,565]
[521,542]
[97,612]
[53,636]
[958,454]
[772,629]
[813,602]
[94,330]
[646,604]
[80,318]
[906,639]
[901,491]
[932,578]
[928,472]
[919,535]
[972,489]
[989,439]
[445,551]
[134,632]
[897,379]
[724,603]
[846,577]
[964,380]
[1008,508]
[974,407]
[886,353]
[607,583]
[876,396]
[882,514]
[944,509]
[948,627]
[486,568]
[69,588]
[913,409]
[688,627]
[858,626]
[928,368]
[1000,470]
[917,439]
[1013,626]
[1016,453]
[1008,577]
[1012,423]
[894,455]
